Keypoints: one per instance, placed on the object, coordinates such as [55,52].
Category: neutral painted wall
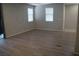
[71,13]
[57,24]
[77,37]
[15,19]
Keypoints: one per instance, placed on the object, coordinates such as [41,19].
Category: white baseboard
[30,30]
[40,29]
[48,29]
[19,33]
[68,30]
[76,53]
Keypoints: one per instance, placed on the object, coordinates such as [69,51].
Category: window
[30,14]
[49,14]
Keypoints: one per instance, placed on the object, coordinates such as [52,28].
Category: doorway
[2,32]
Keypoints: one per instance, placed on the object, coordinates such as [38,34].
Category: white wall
[15,19]
[57,24]
[65,17]
[77,37]
[71,13]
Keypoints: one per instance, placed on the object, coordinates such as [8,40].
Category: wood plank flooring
[38,43]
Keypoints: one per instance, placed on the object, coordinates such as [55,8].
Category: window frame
[30,14]
[49,14]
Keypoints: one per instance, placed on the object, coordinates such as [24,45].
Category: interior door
[0,21]
[2,31]
[1,26]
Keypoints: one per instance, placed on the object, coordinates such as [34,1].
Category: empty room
[39,29]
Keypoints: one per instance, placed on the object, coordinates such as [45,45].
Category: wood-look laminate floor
[38,43]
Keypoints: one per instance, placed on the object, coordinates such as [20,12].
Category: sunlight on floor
[1,36]
[2,40]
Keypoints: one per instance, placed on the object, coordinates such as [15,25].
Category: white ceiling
[70,3]
[36,4]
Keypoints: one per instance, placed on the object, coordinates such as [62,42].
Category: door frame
[2,18]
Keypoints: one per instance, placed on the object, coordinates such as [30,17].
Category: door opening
[2,32]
